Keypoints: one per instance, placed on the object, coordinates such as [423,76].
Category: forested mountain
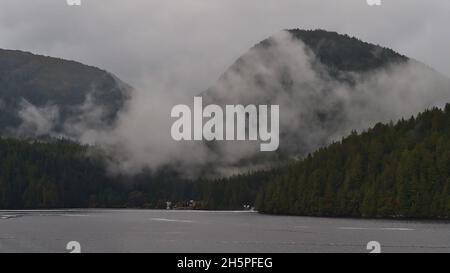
[400,170]
[57,91]
[326,84]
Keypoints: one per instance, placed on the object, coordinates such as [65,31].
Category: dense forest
[344,53]
[64,174]
[400,170]
[391,170]
[49,175]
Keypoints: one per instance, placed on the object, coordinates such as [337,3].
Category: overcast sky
[187,44]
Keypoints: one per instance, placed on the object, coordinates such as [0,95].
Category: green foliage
[63,174]
[400,170]
[51,175]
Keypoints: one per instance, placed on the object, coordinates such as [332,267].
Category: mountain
[47,94]
[400,170]
[327,85]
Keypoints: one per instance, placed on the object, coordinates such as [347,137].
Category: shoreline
[69,210]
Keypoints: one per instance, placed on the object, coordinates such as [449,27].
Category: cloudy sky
[187,44]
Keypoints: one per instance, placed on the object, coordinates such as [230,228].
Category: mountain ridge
[327,84]
[43,81]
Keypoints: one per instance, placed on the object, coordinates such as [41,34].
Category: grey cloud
[36,121]
[191,42]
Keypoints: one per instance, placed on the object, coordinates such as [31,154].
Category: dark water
[199,231]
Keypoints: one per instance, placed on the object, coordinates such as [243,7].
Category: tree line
[63,174]
[400,170]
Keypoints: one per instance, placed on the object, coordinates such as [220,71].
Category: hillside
[327,84]
[345,53]
[400,170]
[70,89]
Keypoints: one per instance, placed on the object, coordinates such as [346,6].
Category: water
[201,231]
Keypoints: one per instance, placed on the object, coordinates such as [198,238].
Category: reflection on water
[203,231]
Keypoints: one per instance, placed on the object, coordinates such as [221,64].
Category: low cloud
[316,109]
[36,121]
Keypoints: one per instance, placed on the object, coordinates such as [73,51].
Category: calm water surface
[201,231]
